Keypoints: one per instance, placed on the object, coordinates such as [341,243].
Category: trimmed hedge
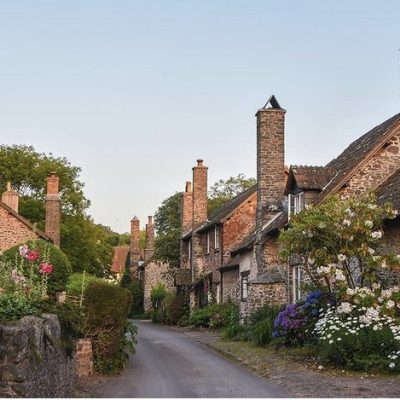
[74,284]
[61,266]
[106,310]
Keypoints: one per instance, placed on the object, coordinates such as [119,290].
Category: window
[295,203]
[208,243]
[297,282]
[216,237]
[189,250]
[244,287]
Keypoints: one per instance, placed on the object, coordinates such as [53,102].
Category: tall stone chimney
[199,217]
[199,194]
[149,241]
[270,165]
[53,209]
[10,198]
[187,209]
[135,242]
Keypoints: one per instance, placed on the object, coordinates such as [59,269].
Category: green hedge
[106,310]
[61,266]
[74,285]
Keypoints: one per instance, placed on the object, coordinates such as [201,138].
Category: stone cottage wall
[156,272]
[13,231]
[231,285]
[32,363]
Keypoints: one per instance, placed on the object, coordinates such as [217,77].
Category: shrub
[106,309]
[215,315]
[357,337]
[77,280]
[13,307]
[157,295]
[61,267]
[137,298]
[235,331]
[176,307]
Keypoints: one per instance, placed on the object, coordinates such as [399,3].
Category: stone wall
[230,285]
[376,170]
[247,264]
[32,363]
[156,272]
[84,358]
[13,231]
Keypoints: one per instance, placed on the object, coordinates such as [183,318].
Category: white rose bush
[343,252]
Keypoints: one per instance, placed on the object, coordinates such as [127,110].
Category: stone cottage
[145,268]
[15,229]
[372,162]
[119,261]
[208,241]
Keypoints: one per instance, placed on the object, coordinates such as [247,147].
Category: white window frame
[244,288]
[298,202]
[216,238]
[297,282]
[208,243]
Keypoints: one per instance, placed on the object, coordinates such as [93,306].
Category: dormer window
[295,203]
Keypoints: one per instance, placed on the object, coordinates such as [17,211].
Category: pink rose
[45,268]
[33,255]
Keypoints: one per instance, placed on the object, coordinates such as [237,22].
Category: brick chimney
[199,194]
[135,242]
[10,197]
[270,163]
[187,209]
[149,241]
[53,209]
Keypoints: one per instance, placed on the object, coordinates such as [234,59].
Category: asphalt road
[169,364]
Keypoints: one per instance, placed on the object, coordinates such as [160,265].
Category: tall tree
[167,221]
[224,190]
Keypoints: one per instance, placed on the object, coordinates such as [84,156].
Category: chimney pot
[150,220]
[199,162]
[53,209]
[188,187]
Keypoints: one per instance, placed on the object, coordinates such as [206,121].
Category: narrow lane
[169,364]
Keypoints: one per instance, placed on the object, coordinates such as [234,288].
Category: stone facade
[84,358]
[230,285]
[13,231]
[156,272]
[53,209]
[32,363]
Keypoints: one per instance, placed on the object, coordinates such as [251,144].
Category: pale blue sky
[135,91]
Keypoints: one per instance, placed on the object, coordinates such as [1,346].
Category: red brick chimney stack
[53,209]
[135,242]
[199,194]
[10,197]
[187,209]
[149,242]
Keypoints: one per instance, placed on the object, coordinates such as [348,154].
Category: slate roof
[308,177]
[358,151]
[227,208]
[389,191]
[25,222]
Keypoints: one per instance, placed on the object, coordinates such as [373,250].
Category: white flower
[339,339]
[392,365]
[371,251]
[341,257]
[350,292]
[395,289]
[311,261]
[390,304]
[372,206]
[320,367]
[339,275]
[331,341]
[369,224]
[344,308]
[375,327]
[376,286]
[346,222]
[376,235]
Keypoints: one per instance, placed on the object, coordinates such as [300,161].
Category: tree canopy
[87,245]
[167,221]
[224,190]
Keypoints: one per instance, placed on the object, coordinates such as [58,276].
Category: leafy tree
[224,190]
[339,242]
[87,245]
[167,221]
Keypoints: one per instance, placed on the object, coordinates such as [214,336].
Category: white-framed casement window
[216,237]
[244,287]
[297,282]
[208,243]
[296,203]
